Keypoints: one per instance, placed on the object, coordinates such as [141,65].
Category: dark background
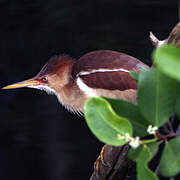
[39,139]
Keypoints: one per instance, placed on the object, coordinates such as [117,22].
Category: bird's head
[53,76]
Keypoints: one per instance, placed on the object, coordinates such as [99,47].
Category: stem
[167,131]
[170,126]
[149,141]
[171,135]
[157,169]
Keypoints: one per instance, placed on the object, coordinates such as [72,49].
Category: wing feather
[107,69]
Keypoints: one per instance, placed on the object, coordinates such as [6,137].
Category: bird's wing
[107,69]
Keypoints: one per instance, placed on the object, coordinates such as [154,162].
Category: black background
[39,139]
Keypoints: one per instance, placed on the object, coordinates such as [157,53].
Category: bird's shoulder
[106,69]
[106,59]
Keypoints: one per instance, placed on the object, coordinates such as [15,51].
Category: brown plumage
[98,73]
[106,59]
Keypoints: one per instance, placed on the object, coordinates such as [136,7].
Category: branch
[115,166]
[174,38]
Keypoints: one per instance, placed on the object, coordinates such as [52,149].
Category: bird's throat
[72,97]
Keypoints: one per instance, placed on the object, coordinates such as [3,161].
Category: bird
[98,73]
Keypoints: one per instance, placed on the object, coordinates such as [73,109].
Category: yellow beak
[26,83]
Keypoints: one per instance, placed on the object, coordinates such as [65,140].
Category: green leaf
[177,107]
[105,123]
[170,159]
[130,111]
[156,96]
[133,154]
[153,147]
[134,74]
[167,59]
[143,172]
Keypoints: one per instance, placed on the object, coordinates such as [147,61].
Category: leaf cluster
[158,99]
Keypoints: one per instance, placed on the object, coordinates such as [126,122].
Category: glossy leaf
[143,172]
[170,160]
[167,59]
[156,96]
[133,154]
[105,123]
[177,107]
[153,147]
[130,111]
[134,74]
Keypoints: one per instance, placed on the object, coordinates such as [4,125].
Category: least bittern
[98,73]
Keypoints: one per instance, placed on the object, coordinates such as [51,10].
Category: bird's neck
[72,97]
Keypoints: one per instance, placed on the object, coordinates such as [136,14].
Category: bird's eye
[44,79]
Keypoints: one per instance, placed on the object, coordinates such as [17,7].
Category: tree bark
[116,165]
